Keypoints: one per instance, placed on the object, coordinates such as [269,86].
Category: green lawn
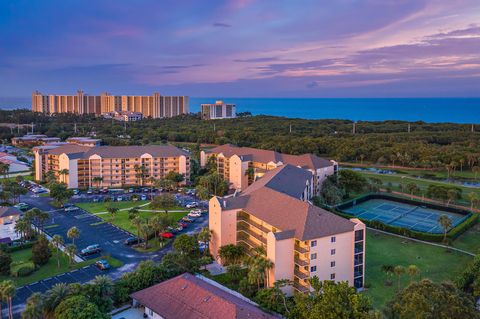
[121,219]
[50,269]
[469,240]
[102,207]
[435,263]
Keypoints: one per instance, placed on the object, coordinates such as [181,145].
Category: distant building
[109,166]
[124,116]
[219,110]
[14,165]
[195,297]
[155,105]
[241,166]
[85,141]
[8,217]
[33,139]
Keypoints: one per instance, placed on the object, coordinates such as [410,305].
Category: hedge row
[11,249]
[451,235]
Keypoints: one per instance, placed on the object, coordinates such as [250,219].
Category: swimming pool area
[403,213]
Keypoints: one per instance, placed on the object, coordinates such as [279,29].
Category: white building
[219,110]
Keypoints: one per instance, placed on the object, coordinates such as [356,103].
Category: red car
[167,235]
[184,225]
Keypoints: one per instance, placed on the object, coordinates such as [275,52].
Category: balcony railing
[300,274]
[300,288]
[302,249]
[247,232]
[248,241]
[243,218]
[301,262]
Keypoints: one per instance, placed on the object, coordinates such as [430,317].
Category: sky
[242,48]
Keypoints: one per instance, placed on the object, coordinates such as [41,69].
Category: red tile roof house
[196,297]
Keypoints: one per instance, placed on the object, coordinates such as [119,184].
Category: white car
[194,215]
[192,205]
[119,198]
[71,208]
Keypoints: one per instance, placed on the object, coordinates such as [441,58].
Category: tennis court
[414,217]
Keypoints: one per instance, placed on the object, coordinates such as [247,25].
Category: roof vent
[207,298]
[184,287]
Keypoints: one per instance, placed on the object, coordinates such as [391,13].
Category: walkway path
[424,242]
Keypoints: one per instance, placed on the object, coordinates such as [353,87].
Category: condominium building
[33,139]
[85,141]
[124,116]
[241,166]
[82,166]
[154,106]
[301,240]
[219,110]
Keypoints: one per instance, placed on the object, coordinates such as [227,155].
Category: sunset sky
[242,48]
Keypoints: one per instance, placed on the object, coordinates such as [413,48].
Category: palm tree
[133,212]
[205,236]
[446,222]
[57,241]
[34,307]
[475,170]
[137,222]
[64,172]
[473,198]
[97,180]
[4,169]
[412,271]
[104,285]
[113,211]
[154,223]
[412,188]
[231,254]
[71,250]
[399,271]
[54,297]
[234,271]
[73,233]
[21,228]
[388,270]
[146,230]
[42,218]
[7,291]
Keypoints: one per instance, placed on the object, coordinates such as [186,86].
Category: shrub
[5,262]
[25,270]
[41,252]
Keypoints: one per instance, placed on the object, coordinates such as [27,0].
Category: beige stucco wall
[222,224]
[281,253]
[238,179]
[72,177]
[203,159]
[182,168]
[343,257]
[38,166]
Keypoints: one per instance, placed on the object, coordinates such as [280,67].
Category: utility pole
[32,127]
[75,127]
[408,127]
[18,128]
[473,128]
[214,127]
[354,128]
[290,128]
[125,127]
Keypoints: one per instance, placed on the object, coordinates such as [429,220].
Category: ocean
[457,110]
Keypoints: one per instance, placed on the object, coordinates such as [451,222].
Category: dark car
[102,264]
[132,241]
[90,250]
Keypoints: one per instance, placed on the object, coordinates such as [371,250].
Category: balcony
[250,233]
[245,219]
[300,274]
[248,241]
[301,262]
[300,287]
[302,249]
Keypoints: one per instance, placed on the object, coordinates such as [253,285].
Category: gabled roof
[189,297]
[309,161]
[286,179]
[135,151]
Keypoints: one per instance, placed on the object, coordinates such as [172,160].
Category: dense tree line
[388,142]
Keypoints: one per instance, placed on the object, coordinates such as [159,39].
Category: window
[313,243]
[333,239]
[332,276]
[332,264]
[359,235]
[332,252]
[150,312]
[313,268]
[313,256]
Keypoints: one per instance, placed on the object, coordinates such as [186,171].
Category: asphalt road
[108,236]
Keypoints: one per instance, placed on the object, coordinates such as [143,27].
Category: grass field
[469,240]
[50,269]
[102,207]
[121,219]
[435,263]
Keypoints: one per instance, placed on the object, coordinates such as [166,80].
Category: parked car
[22,206]
[187,220]
[89,191]
[194,214]
[179,228]
[104,190]
[90,250]
[191,205]
[167,235]
[143,197]
[119,198]
[96,199]
[71,208]
[76,192]
[102,264]
[182,224]
[132,241]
